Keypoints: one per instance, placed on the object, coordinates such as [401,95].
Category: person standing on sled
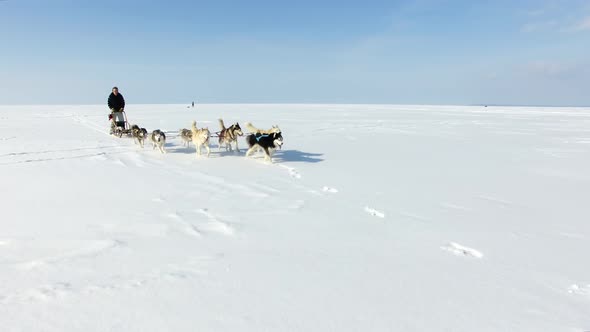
[116,103]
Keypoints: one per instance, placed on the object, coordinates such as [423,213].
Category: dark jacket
[116,102]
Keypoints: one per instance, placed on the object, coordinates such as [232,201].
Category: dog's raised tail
[251,127]
[194,127]
[221,124]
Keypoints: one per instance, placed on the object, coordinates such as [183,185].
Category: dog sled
[119,124]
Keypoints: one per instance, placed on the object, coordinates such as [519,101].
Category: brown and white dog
[229,135]
[186,135]
[200,137]
[254,130]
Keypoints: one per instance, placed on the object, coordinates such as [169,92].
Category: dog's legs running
[237,149]
[267,155]
[208,150]
[161,147]
[250,150]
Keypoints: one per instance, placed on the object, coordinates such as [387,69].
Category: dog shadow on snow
[297,156]
[192,150]
[278,155]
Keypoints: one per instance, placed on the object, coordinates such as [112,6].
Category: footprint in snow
[292,172]
[185,226]
[452,206]
[495,200]
[460,250]
[48,292]
[99,157]
[374,212]
[297,205]
[119,162]
[174,215]
[330,190]
[579,290]
[215,224]
[89,251]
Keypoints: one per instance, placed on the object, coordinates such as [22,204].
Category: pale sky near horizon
[400,52]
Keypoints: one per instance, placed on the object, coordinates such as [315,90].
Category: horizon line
[314,103]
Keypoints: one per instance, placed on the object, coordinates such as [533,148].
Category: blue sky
[402,52]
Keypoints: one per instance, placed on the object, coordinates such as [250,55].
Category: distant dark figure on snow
[193,104]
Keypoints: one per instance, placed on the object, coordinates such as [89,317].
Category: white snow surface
[371,218]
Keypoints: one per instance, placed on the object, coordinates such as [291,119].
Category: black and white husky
[139,135]
[158,139]
[229,135]
[267,141]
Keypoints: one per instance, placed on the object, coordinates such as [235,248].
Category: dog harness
[261,136]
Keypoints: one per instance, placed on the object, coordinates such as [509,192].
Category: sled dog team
[265,140]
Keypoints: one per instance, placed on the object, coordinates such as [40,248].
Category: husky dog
[254,130]
[229,135]
[158,139]
[200,137]
[267,142]
[138,134]
[186,135]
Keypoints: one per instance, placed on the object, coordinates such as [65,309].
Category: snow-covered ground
[372,218]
